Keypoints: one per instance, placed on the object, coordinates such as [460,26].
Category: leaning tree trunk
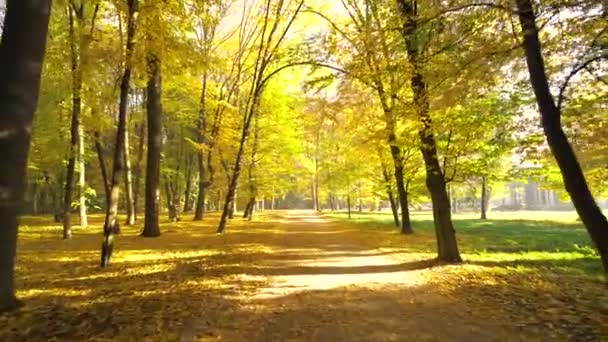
[447,247]
[253,188]
[111,225]
[572,173]
[154,113]
[21,57]
[231,194]
[484,198]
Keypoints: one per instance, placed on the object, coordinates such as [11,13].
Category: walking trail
[324,282]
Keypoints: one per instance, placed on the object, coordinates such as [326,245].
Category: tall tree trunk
[315,200]
[348,205]
[82,185]
[102,167]
[406,225]
[231,194]
[316,175]
[128,179]
[253,188]
[188,191]
[447,246]
[137,172]
[76,73]
[111,225]
[153,160]
[199,212]
[484,198]
[572,173]
[170,200]
[21,57]
[391,196]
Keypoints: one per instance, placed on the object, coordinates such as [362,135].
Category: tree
[447,247]
[278,19]
[111,226]
[572,173]
[79,36]
[21,57]
[154,110]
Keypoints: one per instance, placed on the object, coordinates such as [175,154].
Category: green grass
[520,240]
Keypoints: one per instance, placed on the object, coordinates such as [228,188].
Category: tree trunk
[153,159]
[170,200]
[348,205]
[188,191]
[484,198]
[406,225]
[199,212]
[253,188]
[315,201]
[82,185]
[21,57]
[572,174]
[102,166]
[391,197]
[231,194]
[447,246]
[111,225]
[128,179]
[76,73]
[137,172]
[249,209]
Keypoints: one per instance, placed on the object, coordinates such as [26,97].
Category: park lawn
[538,266]
[528,240]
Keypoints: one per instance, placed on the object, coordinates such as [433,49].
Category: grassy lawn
[524,240]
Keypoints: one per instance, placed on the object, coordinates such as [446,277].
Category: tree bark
[137,172]
[348,205]
[21,57]
[447,246]
[188,191]
[102,166]
[406,225]
[484,198]
[111,225]
[391,196]
[128,178]
[199,212]
[253,188]
[76,73]
[572,173]
[153,159]
[231,193]
[82,184]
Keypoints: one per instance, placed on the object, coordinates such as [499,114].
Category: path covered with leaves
[289,276]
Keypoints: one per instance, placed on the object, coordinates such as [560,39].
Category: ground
[303,277]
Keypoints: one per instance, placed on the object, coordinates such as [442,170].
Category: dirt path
[324,282]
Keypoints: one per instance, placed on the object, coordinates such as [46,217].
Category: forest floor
[296,276]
